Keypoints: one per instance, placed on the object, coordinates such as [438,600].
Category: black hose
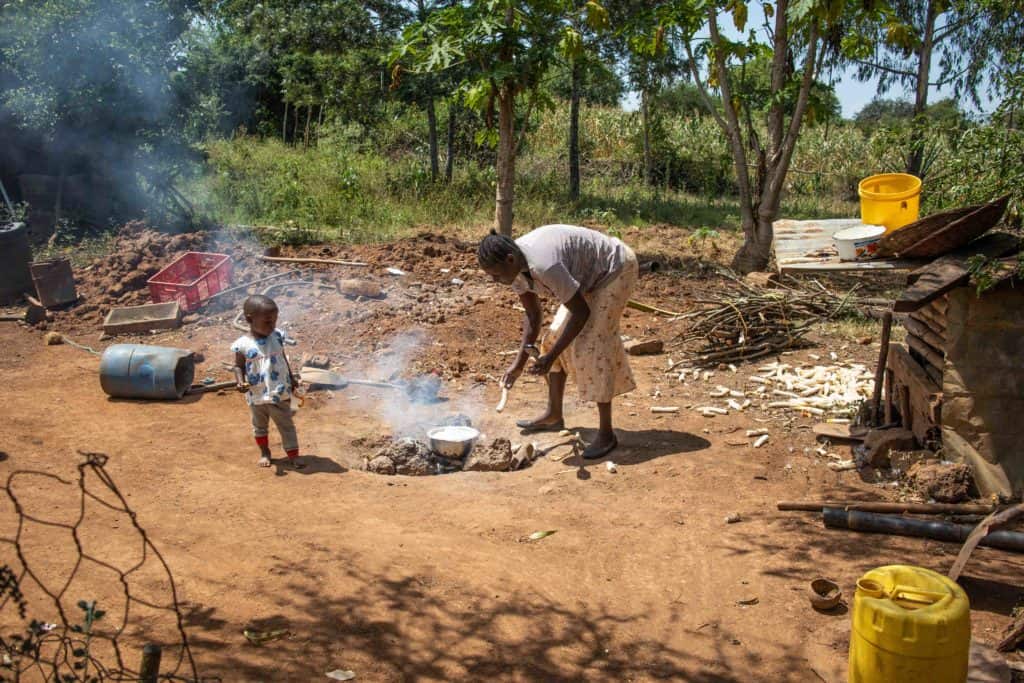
[872,522]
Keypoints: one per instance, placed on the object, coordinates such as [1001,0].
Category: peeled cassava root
[504,399]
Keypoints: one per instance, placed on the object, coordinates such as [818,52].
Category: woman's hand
[542,365]
[512,374]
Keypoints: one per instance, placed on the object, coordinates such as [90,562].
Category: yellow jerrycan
[910,625]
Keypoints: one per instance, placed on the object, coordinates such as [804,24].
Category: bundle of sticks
[741,322]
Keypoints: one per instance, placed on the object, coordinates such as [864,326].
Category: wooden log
[927,352]
[149,669]
[647,308]
[329,262]
[1014,637]
[248,284]
[205,388]
[883,353]
[883,506]
[888,396]
[993,521]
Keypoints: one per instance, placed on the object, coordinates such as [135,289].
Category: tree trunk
[506,160]
[284,125]
[915,159]
[449,161]
[574,133]
[756,251]
[319,124]
[309,119]
[432,133]
[295,128]
[645,125]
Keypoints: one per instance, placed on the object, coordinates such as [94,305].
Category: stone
[381,465]
[190,319]
[410,457]
[943,481]
[496,457]
[319,361]
[645,347]
[879,443]
[364,288]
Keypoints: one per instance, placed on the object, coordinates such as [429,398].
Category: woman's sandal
[531,427]
[602,452]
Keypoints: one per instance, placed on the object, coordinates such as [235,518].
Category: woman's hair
[495,249]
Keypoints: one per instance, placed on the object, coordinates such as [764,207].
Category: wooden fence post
[149,669]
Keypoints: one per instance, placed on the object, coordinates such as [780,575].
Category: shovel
[423,388]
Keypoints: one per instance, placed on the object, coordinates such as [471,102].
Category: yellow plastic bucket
[890,199]
[910,625]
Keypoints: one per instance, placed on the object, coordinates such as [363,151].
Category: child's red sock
[292,454]
[263,441]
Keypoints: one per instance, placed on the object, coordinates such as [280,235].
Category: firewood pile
[742,322]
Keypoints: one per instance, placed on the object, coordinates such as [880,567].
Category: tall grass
[359,185]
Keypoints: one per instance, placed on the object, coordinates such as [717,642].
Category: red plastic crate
[191,279]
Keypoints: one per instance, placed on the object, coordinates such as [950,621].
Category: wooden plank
[835,265]
[793,240]
[927,352]
[948,272]
[920,396]
[930,283]
[921,331]
[930,317]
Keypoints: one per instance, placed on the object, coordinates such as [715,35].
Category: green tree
[651,61]
[94,78]
[795,45]
[972,43]
[510,44]
[311,59]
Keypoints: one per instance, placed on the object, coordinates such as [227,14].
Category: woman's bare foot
[264,460]
[601,446]
[545,423]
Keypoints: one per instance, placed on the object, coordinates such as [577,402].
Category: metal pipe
[856,520]
[885,506]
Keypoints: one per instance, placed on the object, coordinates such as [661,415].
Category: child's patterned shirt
[266,369]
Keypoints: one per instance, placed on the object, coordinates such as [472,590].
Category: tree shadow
[403,626]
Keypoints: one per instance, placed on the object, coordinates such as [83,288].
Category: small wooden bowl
[825,594]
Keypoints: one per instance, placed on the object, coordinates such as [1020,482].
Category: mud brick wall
[983,386]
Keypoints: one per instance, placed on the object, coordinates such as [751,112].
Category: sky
[852,93]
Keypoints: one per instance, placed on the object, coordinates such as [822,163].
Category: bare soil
[434,578]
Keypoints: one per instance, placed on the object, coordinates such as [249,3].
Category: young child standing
[262,372]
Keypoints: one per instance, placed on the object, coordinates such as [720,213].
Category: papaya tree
[509,45]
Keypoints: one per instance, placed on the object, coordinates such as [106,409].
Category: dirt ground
[429,578]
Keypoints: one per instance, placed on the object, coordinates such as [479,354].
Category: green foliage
[987,273]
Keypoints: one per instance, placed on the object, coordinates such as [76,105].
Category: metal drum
[15,255]
[142,371]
